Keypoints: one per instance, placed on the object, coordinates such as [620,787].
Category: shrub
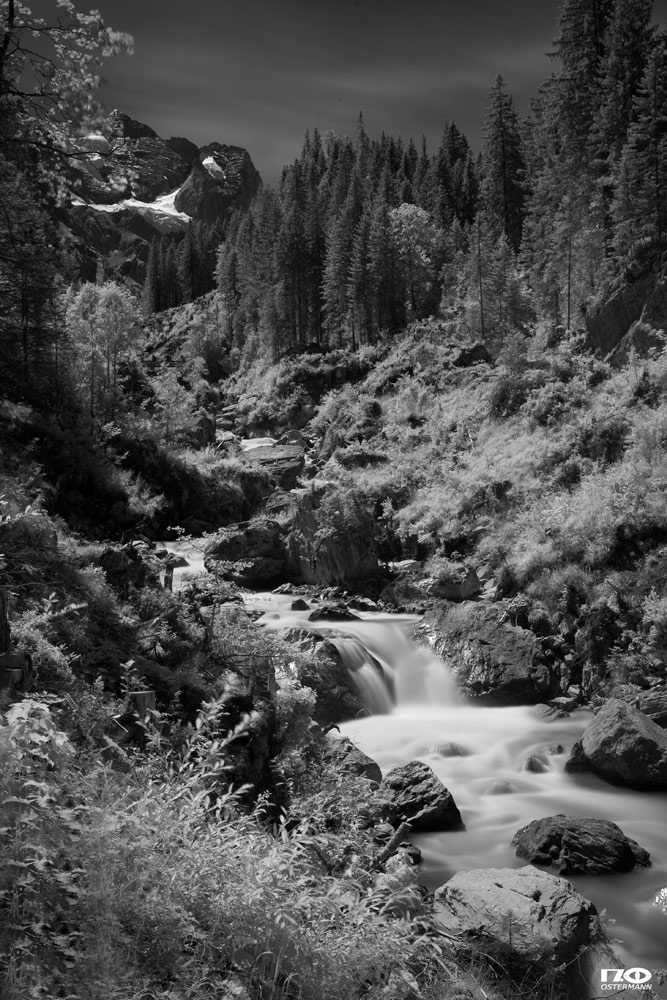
[507,396]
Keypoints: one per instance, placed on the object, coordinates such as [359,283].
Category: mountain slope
[132,186]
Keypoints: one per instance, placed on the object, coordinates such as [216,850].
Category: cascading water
[366,673]
[504,767]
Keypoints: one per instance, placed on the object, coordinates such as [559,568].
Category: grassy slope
[546,469]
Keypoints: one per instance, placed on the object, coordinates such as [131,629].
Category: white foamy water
[193,553]
[496,795]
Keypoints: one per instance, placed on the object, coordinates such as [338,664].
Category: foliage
[99,321]
[115,884]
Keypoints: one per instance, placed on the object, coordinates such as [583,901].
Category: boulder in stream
[493,661]
[250,553]
[333,613]
[654,704]
[623,746]
[413,792]
[575,844]
[529,923]
[331,539]
[325,672]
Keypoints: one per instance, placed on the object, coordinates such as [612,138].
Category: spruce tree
[503,166]
[150,294]
[640,207]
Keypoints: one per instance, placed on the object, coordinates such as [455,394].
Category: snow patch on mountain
[164,205]
[214,168]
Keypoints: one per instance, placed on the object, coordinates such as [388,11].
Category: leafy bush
[118,886]
[507,396]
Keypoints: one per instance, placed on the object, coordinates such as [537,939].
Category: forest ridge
[364,235]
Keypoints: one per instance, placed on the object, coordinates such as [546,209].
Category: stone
[415,793]
[284,463]
[362,604]
[249,553]
[222,178]
[530,924]
[493,661]
[476,354]
[536,764]
[653,703]
[574,844]
[640,341]
[563,703]
[500,787]
[405,593]
[623,746]
[325,673]
[281,506]
[460,584]
[449,750]
[355,761]
[333,613]
[639,294]
[407,566]
[323,549]
[299,605]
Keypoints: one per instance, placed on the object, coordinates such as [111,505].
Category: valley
[333,542]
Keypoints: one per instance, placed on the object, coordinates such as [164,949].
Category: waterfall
[504,766]
[413,674]
[372,683]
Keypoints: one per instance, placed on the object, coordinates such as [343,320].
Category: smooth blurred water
[429,721]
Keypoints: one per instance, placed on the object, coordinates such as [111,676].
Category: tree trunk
[5,630]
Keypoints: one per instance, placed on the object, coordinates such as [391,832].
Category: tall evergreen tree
[580,46]
[627,46]
[640,208]
[503,166]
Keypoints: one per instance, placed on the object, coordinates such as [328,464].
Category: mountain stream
[482,754]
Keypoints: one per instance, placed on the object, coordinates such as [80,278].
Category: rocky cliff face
[631,310]
[130,186]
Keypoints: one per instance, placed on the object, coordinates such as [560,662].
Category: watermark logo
[625,979]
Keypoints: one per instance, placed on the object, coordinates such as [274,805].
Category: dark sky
[258,73]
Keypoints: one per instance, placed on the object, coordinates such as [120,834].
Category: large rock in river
[623,746]
[413,792]
[527,921]
[331,539]
[250,553]
[493,661]
[324,671]
[579,844]
[654,704]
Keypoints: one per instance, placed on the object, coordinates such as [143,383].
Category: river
[481,755]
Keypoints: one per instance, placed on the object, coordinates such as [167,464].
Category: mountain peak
[121,126]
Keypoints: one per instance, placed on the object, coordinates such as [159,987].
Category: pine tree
[186,266]
[503,166]
[627,47]
[580,46]
[150,295]
[640,207]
